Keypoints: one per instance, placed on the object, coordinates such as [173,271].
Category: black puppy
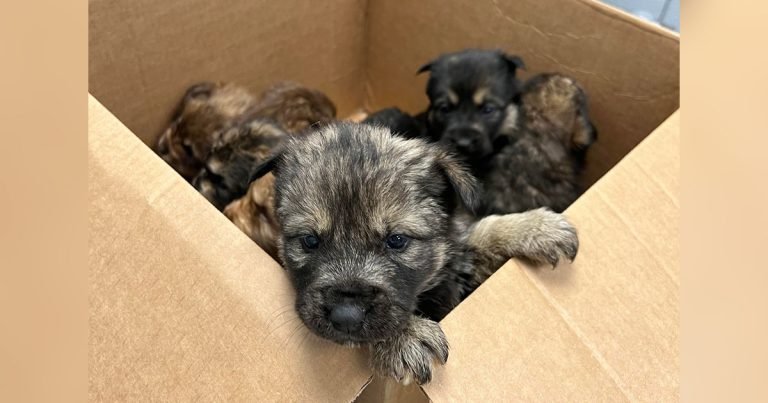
[524,143]
[399,122]
[472,94]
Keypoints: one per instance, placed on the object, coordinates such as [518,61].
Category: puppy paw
[410,355]
[550,238]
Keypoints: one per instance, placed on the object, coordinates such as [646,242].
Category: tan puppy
[254,214]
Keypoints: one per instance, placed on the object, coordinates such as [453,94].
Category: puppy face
[230,164]
[471,94]
[205,110]
[364,217]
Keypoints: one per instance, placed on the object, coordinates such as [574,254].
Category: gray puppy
[378,244]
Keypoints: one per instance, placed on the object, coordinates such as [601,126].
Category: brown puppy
[229,166]
[542,163]
[204,112]
[555,105]
[376,240]
[295,108]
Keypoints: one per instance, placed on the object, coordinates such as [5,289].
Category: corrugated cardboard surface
[183,306]
[629,68]
[603,329]
[143,54]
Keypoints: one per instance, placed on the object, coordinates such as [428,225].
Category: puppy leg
[539,235]
[410,354]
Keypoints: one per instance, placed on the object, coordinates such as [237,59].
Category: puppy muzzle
[467,141]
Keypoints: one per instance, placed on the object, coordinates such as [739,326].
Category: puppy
[471,94]
[294,108]
[542,164]
[377,240]
[555,105]
[399,122]
[526,144]
[203,113]
[229,166]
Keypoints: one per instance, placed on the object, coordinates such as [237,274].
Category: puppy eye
[487,109]
[443,108]
[310,242]
[397,241]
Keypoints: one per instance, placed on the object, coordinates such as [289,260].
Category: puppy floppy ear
[269,165]
[426,67]
[462,182]
[513,61]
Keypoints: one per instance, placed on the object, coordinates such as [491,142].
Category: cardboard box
[183,306]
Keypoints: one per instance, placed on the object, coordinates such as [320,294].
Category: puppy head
[557,105]
[364,219]
[233,157]
[470,94]
[205,110]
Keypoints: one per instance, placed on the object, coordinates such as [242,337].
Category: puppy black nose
[346,318]
[464,139]
[465,142]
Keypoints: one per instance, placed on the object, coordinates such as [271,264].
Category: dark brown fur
[234,156]
[203,113]
[343,193]
[294,107]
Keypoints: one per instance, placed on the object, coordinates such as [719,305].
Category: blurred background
[662,12]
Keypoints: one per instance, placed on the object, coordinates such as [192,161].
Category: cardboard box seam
[632,20]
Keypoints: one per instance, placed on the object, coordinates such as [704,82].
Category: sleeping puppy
[377,240]
[229,165]
[296,109]
[254,214]
[203,113]
[525,144]
[399,122]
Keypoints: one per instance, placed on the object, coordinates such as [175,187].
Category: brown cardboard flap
[183,306]
[602,329]
[143,54]
[629,68]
